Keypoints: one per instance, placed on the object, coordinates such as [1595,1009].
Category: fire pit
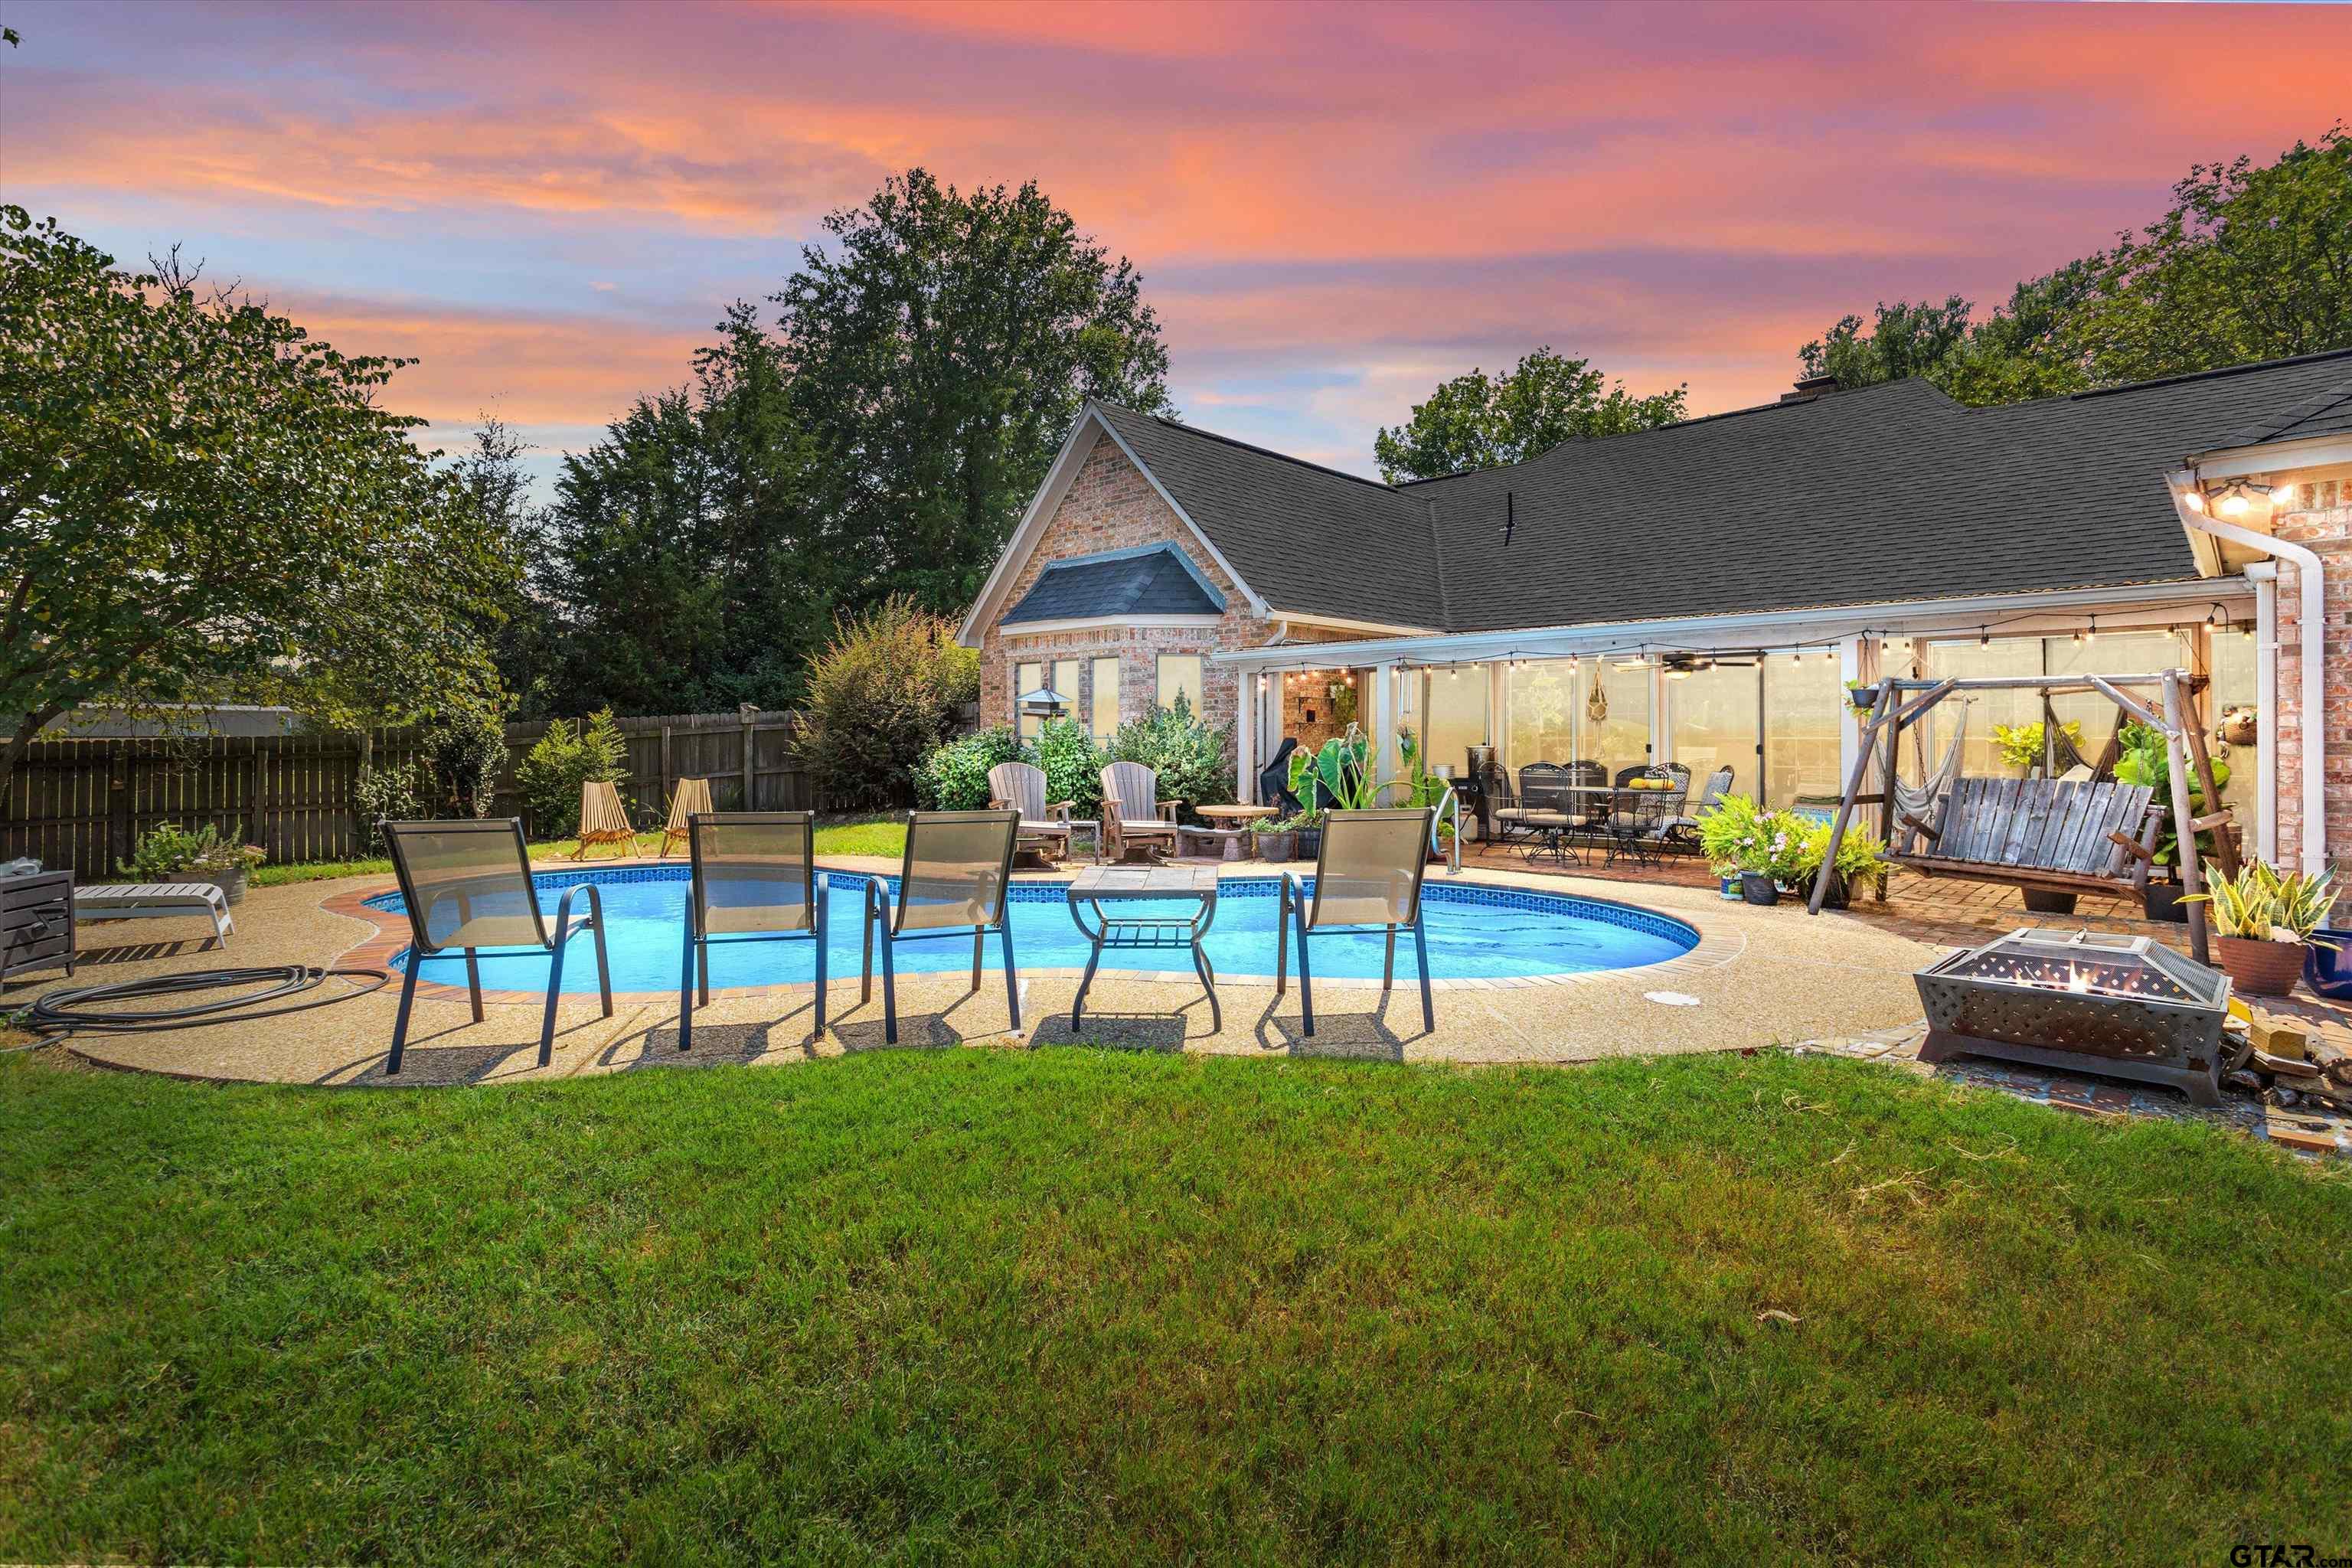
[2125,1005]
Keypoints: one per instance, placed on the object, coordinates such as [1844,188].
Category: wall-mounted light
[2283,496]
[2193,499]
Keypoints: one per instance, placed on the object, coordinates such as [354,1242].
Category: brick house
[1702,593]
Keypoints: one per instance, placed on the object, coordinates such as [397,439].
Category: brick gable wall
[1111,505]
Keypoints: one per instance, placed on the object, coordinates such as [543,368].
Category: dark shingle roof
[1307,537]
[1884,494]
[2327,413]
[1155,580]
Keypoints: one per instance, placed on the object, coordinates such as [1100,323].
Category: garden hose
[97,1009]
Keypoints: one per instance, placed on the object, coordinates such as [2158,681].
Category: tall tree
[1477,422]
[1905,339]
[197,499]
[2250,263]
[938,352]
[680,558]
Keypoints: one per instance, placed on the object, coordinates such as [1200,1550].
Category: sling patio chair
[1021,787]
[603,820]
[1133,812]
[1681,833]
[690,797]
[466,885]
[1367,879]
[754,879]
[956,877]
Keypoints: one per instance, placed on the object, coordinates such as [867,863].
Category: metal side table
[1100,885]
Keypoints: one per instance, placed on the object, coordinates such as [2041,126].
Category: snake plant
[2263,904]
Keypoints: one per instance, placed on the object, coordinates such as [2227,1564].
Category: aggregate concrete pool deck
[1758,977]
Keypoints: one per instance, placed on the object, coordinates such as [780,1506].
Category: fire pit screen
[2125,1005]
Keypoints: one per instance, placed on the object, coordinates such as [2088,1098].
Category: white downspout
[2264,575]
[2313,627]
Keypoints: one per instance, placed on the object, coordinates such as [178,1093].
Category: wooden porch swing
[2086,835]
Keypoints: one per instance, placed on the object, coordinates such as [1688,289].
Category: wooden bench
[2051,836]
[156,900]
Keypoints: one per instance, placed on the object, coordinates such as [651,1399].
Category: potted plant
[2264,922]
[1308,827]
[1861,858]
[1862,695]
[1732,838]
[2020,744]
[2145,760]
[169,853]
[1278,839]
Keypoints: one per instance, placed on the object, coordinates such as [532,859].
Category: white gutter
[1816,629]
[2264,575]
[2312,624]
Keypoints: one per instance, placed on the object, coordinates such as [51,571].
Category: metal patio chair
[466,885]
[1639,818]
[1681,833]
[754,879]
[956,877]
[1367,879]
[1530,812]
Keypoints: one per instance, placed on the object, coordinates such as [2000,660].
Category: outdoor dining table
[1100,885]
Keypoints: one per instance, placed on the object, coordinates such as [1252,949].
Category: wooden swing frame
[1901,703]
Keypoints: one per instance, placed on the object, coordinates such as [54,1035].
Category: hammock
[1917,801]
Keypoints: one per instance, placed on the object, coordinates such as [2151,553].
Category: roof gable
[1147,580]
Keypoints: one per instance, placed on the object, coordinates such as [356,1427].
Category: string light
[2093,635]
[1984,637]
[2248,631]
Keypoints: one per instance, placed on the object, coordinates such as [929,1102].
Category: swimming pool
[1475,932]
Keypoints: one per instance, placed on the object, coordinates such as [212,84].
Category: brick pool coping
[394,935]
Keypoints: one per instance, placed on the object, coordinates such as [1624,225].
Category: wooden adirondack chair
[692,795]
[1133,815]
[603,820]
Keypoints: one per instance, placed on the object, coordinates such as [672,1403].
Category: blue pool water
[1481,932]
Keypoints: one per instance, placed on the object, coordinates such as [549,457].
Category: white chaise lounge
[155,901]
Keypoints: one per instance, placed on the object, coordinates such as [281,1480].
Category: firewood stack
[2284,1061]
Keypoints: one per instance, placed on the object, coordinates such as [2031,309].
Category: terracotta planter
[2260,968]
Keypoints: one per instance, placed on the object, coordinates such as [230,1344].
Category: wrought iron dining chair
[754,879]
[1681,833]
[1638,823]
[466,886]
[956,877]
[1367,879]
[1534,812]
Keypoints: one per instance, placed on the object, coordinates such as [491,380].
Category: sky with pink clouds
[1333,206]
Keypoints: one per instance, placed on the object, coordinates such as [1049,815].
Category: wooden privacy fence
[83,803]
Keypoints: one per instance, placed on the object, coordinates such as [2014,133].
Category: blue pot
[2327,971]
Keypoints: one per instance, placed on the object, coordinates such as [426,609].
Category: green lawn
[1071,1305]
[885,834]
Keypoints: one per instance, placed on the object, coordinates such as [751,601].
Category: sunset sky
[1332,208]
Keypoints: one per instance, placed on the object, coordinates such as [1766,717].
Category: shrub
[394,793]
[168,850]
[879,699]
[564,759]
[1188,755]
[462,751]
[954,776]
[1734,835]
[1073,765]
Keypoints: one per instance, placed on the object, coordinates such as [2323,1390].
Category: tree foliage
[1476,421]
[199,501]
[939,352]
[881,444]
[2248,263]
